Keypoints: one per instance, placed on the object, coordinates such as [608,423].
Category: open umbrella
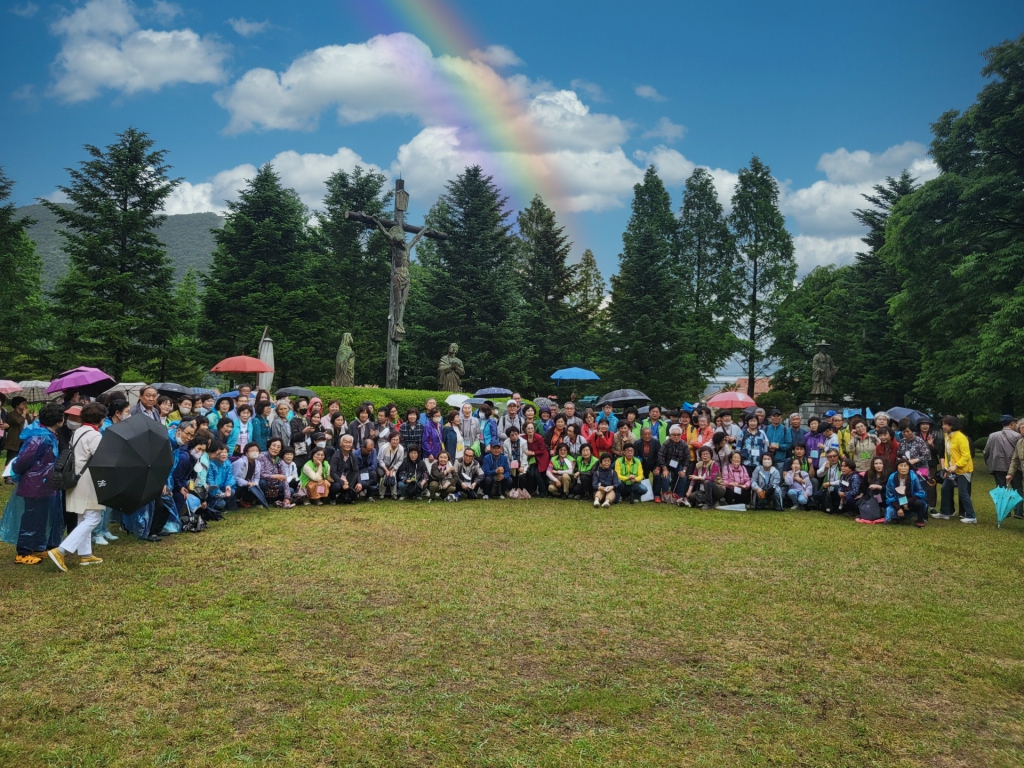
[172,390]
[544,402]
[295,392]
[34,391]
[89,381]
[575,374]
[493,392]
[456,400]
[203,391]
[476,400]
[620,396]
[731,400]
[1005,500]
[7,386]
[131,464]
[896,414]
[241,364]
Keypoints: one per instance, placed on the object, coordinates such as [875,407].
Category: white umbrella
[456,400]
[266,355]
[35,391]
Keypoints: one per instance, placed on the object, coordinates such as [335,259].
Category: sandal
[27,560]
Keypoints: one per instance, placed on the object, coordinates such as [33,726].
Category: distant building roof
[761,385]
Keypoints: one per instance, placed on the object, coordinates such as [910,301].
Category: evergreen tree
[642,314]
[184,358]
[590,315]
[706,276]
[358,269]
[468,291]
[548,281]
[768,267]
[22,309]
[114,303]
[265,272]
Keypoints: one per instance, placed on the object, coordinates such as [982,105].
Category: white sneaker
[100,541]
[968,520]
[486,497]
[108,536]
[606,504]
[502,496]
[597,503]
[940,516]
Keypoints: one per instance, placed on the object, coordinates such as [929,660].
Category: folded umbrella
[89,381]
[256,491]
[1005,500]
[131,464]
[295,392]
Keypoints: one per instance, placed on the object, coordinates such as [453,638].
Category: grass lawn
[523,634]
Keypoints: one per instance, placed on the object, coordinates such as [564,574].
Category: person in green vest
[630,471]
[659,426]
[583,473]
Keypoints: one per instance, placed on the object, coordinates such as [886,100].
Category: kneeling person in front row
[605,481]
[630,472]
[497,473]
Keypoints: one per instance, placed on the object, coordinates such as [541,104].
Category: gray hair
[675,429]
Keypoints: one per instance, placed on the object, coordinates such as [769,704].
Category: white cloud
[844,167]
[105,48]
[674,169]
[593,90]
[305,173]
[667,130]
[496,56]
[247,28]
[58,196]
[811,252]
[166,12]
[26,11]
[649,92]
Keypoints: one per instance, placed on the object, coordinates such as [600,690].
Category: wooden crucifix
[395,231]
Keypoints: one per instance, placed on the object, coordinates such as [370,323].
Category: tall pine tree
[22,309]
[548,281]
[590,314]
[266,273]
[706,276]
[114,304]
[184,358]
[642,314]
[767,262]
[358,269]
[468,291]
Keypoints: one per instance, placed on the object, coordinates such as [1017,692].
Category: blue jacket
[220,476]
[259,432]
[450,438]
[892,501]
[34,464]
[181,474]
[783,436]
[852,491]
[605,477]
[367,461]
[491,463]
[432,440]
[752,447]
[488,433]
[613,421]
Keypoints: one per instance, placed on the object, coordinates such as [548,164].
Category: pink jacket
[736,476]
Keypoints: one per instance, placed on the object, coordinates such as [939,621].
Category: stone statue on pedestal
[345,364]
[450,371]
[824,371]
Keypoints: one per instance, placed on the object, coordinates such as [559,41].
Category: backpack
[64,477]
[869,509]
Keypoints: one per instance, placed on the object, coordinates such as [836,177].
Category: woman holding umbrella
[81,500]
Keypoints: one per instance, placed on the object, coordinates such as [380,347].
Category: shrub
[777,398]
[352,397]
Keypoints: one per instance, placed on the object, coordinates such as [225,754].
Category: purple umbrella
[88,381]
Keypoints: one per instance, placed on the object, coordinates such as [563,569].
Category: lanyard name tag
[903,501]
[674,464]
[814,454]
[754,453]
[364,476]
[845,483]
[737,489]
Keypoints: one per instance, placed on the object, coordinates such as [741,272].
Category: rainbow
[476,98]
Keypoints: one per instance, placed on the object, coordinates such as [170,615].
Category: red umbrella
[241,364]
[731,400]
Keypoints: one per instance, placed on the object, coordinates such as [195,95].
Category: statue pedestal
[817,408]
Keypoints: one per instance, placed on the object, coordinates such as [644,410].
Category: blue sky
[833,98]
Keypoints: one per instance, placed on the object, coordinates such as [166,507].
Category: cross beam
[372,221]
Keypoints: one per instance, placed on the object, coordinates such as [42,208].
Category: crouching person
[497,471]
[344,473]
[904,495]
[220,481]
[605,481]
[766,485]
[469,476]
[442,479]
[630,471]
[389,462]
[413,475]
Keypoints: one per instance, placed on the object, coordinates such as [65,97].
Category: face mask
[196,453]
[184,409]
[73,425]
[437,420]
[202,411]
[321,444]
[303,410]
[253,455]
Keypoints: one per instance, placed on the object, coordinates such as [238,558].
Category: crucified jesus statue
[401,250]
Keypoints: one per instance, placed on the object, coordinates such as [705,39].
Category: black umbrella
[493,392]
[172,390]
[896,414]
[624,396]
[295,392]
[131,465]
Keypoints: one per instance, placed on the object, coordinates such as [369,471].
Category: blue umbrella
[896,414]
[1005,500]
[493,392]
[575,374]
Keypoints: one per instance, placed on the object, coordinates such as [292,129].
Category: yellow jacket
[622,471]
[958,452]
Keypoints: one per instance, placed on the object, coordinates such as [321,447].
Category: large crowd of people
[248,449]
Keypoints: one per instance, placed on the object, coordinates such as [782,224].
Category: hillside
[187,237]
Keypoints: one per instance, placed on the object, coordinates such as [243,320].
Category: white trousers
[79,541]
